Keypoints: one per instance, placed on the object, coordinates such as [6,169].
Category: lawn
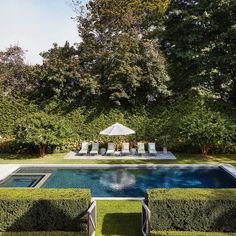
[58,158]
[119,218]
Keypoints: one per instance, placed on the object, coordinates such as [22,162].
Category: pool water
[127,182]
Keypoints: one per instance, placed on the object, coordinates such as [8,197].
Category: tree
[42,129]
[199,42]
[59,78]
[14,73]
[206,128]
[118,53]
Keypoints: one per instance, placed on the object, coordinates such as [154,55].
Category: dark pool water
[123,182]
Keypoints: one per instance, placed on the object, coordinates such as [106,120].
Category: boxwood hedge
[193,209]
[44,209]
[189,233]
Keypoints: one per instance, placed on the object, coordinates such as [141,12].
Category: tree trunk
[42,150]
[205,149]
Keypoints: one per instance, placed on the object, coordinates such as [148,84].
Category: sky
[35,25]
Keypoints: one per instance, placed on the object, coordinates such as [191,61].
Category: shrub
[193,209]
[43,209]
[42,129]
[188,233]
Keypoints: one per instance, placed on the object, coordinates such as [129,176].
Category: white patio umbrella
[117,130]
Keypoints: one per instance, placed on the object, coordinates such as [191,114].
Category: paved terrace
[159,156]
[6,170]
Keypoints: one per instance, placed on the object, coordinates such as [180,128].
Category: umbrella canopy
[117,130]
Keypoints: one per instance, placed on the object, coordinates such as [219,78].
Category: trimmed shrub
[188,233]
[193,209]
[44,209]
[12,109]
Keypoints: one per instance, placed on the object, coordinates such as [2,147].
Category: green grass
[119,218]
[58,158]
[181,233]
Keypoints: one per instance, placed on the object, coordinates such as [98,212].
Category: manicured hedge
[193,209]
[12,109]
[44,209]
[188,233]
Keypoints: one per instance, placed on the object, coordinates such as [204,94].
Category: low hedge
[188,233]
[192,209]
[44,209]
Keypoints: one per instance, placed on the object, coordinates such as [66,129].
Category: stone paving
[7,169]
[159,156]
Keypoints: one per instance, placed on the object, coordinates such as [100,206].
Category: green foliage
[43,209]
[199,41]
[120,63]
[59,77]
[189,233]
[42,129]
[43,233]
[14,73]
[117,54]
[206,128]
[179,209]
[100,121]
[12,109]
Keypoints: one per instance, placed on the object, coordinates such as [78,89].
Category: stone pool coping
[7,169]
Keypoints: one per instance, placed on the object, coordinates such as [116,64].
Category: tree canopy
[42,130]
[165,68]
[199,42]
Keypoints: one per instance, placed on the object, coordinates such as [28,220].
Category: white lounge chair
[84,148]
[141,148]
[95,149]
[125,149]
[110,149]
[152,148]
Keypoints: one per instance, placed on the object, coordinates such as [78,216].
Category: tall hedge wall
[193,209]
[12,109]
[44,209]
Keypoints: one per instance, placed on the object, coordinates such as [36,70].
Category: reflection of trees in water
[118,180]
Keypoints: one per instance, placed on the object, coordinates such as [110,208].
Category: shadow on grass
[127,224]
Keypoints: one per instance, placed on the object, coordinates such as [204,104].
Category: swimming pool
[122,181]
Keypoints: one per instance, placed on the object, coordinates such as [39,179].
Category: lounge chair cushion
[125,148]
[152,148]
[84,148]
[95,148]
[141,148]
[110,148]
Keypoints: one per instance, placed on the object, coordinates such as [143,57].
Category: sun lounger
[95,149]
[152,148]
[141,148]
[125,149]
[84,148]
[110,149]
